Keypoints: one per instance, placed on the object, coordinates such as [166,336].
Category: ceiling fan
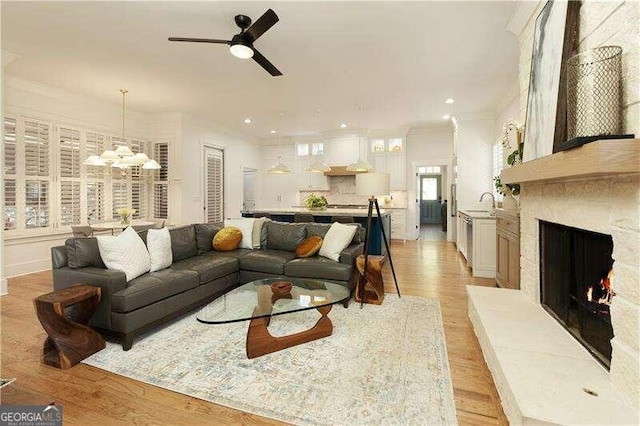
[241,45]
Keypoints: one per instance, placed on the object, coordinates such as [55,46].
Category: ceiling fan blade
[199,40]
[266,21]
[264,63]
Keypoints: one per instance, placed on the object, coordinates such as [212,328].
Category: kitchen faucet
[493,201]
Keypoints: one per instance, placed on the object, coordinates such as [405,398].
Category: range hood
[340,171]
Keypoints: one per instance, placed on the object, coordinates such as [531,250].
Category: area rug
[383,365]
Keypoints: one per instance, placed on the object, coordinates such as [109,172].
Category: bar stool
[342,219]
[257,215]
[303,218]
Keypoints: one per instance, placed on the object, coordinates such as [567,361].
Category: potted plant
[316,202]
[515,157]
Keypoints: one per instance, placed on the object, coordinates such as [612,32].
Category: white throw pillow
[338,237]
[245,225]
[159,246]
[125,252]
[257,231]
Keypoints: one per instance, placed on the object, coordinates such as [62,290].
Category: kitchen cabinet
[308,181]
[388,156]
[507,249]
[398,223]
[278,190]
[477,242]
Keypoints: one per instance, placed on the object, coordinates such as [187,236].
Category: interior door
[213,185]
[248,189]
[430,196]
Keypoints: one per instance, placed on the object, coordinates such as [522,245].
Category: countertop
[477,214]
[327,212]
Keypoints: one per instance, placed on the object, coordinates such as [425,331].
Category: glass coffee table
[259,300]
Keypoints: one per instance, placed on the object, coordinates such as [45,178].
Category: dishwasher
[468,223]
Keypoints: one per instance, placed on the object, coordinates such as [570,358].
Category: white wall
[239,152]
[475,160]
[429,146]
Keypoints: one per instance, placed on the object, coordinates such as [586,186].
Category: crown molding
[521,16]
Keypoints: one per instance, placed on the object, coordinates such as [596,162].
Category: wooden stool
[373,291]
[64,315]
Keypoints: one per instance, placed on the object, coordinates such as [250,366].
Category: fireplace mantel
[603,157]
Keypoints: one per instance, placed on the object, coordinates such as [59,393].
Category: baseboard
[29,267]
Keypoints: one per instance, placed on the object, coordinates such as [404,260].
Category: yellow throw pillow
[309,246]
[227,239]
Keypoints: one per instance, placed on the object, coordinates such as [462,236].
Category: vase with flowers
[514,158]
[125,215]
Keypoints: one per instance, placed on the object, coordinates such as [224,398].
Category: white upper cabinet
[387,155]
[307,154]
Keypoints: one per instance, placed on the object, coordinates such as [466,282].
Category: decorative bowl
[281,287]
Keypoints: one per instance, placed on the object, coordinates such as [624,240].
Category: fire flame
[605,289]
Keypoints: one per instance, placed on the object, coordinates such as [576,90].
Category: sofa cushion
[258,224]
[337,239]
[159,246]
[284,236]
[245,225]
[183,242]
[83,252]
[319,268]
[125,252]
[204,236]
[209,268]
[235,254]
[152,287]
[269,261]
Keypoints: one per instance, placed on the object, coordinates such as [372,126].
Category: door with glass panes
[430,196]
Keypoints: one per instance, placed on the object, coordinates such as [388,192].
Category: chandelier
[122,157]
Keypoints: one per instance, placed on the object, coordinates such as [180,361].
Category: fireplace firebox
[576,283]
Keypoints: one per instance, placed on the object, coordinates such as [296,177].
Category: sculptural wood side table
[64,314]
[373,290]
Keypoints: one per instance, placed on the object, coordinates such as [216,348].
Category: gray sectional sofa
[198,275]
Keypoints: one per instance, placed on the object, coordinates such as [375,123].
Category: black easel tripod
[363,278]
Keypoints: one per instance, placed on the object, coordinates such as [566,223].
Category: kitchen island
[376,245]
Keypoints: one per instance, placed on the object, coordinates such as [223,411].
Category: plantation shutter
[120,196]
[214,188]
[95,145]
[37,138]
[69,176]
[95,201]
[161,181]
[139,192]
[10,208]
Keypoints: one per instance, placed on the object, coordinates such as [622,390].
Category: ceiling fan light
[151,165]
[241,51]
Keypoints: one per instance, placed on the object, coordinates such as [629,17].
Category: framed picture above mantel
[555,39]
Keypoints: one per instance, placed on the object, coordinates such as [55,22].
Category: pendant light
[279,167]
[319,166]
[360,165]
[122,157]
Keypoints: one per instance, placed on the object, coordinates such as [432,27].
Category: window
[395,145]
[429,189]
[377,145]
[498,163]
[302,149]
[46,184]
[317,148]
[430,170]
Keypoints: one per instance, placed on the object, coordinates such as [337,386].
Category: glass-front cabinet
[387,156]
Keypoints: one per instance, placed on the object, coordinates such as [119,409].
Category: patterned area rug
[383,365]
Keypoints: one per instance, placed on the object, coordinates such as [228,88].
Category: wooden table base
[373,290]
[261,342]
[64,315]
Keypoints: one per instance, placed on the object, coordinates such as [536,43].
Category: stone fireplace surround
[518,336]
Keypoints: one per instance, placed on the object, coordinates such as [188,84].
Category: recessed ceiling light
[446,117]
[272,131]
[448,101]
[343,125]
[247,120]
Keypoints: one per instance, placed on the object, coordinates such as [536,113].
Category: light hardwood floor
[93,396]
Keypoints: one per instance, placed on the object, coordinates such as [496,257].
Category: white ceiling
[400,61]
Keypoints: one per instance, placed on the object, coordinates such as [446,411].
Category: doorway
[248,188]
[213,159]
[430,205]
